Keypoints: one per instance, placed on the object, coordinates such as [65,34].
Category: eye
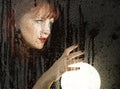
[52,20]
[39,21]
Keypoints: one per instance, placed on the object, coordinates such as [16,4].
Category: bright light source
[85,78]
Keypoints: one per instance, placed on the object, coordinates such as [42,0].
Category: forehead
[42,11]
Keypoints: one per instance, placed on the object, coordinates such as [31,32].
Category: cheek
[31,29]
[37,28]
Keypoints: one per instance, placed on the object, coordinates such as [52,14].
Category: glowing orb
[85,78]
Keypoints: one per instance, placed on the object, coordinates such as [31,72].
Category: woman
[35,26]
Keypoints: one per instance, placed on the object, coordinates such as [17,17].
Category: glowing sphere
[85,78]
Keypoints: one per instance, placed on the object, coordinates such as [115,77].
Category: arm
[58,68]
[46,80]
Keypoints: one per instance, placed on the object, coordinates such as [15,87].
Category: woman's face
[35,29]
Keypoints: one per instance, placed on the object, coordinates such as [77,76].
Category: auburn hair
[51,9]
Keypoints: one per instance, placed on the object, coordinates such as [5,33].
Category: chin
[38,47]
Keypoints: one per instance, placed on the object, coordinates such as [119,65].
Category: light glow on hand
[85,78]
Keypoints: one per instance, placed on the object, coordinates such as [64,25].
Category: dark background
[93,24]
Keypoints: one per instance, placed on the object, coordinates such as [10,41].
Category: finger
[78,60]
[73,68]
[75,54]
[70,62]
[68,50]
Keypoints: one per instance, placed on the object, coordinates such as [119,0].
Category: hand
[62,64]
[58,68]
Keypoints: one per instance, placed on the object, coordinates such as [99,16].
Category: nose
[46,32]
[46,28]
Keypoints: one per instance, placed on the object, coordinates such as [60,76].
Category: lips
[43,40]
